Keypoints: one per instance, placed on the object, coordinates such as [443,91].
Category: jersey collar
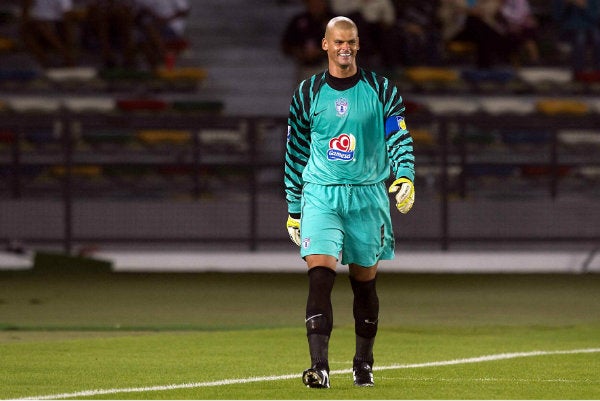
[342,84]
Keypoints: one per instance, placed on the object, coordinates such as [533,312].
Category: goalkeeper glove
[293,227]
[406,194]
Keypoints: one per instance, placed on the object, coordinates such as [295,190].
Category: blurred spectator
[478,22]
[420,29]
[47,26]
[302,38]
[376,20]
[521,28]
[112,24]
[161,23]
[579,20]
[170,16]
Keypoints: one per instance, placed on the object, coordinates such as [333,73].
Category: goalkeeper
[346,131]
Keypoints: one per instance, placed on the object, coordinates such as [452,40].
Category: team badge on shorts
[341,106]
[305,243]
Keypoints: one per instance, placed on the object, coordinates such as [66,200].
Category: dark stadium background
[505,163]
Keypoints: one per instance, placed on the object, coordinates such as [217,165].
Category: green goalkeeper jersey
[345,131]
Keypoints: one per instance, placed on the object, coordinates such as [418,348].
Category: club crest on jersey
[342,147]
[341,106]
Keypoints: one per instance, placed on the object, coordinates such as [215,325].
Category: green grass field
[241,336]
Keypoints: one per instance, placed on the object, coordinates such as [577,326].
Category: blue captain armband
[394,124]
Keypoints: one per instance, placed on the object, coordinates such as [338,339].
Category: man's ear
[324,45]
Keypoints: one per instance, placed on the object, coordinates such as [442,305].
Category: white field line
[485,358]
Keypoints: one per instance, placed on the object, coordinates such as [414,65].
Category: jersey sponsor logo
[341,106]
[342,147]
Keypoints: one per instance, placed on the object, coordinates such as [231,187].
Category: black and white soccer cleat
[316,378]
[362,372]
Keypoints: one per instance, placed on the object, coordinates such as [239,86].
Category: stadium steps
[246,70]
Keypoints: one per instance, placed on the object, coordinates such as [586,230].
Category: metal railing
[450,151]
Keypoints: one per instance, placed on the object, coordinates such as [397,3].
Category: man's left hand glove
[406,194]
[293,227]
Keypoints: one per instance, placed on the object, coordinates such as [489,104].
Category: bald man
[346,132]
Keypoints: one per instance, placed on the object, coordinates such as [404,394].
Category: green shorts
[353,220]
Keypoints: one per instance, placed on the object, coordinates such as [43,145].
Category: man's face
[341,46]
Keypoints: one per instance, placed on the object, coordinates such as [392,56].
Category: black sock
[366,318]
[318,346]
[319,314]
[364,350]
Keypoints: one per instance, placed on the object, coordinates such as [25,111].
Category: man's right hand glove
[406,194]
[293,227]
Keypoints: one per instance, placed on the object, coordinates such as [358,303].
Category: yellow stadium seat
[460,47]
[431,74]
[183,73]
[560,106]
[153,137]
[422,137]
[7,44]
[83,171]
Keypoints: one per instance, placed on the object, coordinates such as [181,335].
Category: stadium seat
[7,136]
[580,137]
[41,137]
[422,137]
[431,74]
[209,106]
[412,107]
[30,171]
[452,105]
[544,170]
[121,74]
[108,136]
[182,74]
[89,171]
[141,105]
[590,172]
[475,136]
[460,48]
[507,105]
[18,75]
[176,170]
[538,136]
[560,106]
[34,104]
[588,76]
[90,104]
[125,172]
[71,74]
[480,76]
[496,170]
[158,136]
[7,44]
[540,75]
